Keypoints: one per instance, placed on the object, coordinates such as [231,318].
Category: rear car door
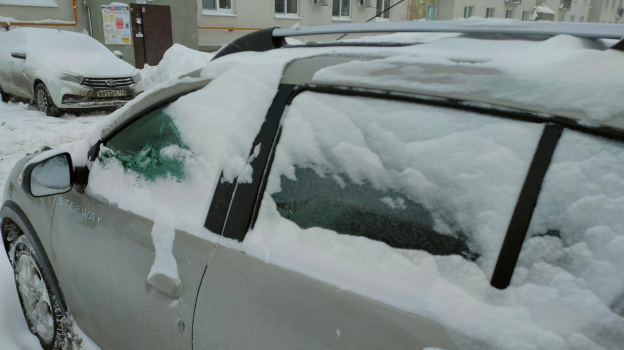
[131,282]
[372,214]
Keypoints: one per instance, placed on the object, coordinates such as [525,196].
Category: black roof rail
[618,46]
[262,40]
[273,38]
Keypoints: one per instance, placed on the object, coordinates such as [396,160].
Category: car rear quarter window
[406,175]
[575,242]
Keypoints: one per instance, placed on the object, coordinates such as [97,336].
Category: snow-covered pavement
[24,130]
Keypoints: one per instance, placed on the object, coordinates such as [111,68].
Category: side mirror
[118,54]
[49,177]
[18,54]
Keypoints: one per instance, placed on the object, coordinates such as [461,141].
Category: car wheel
[5,97]
[44,101]
[39,302]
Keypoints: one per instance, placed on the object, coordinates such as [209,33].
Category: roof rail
[476,26]
[262,40]
[273,38]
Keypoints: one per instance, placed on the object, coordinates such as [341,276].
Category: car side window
[411,176]
[151,146]
[362,210]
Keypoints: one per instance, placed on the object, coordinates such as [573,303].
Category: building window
[607,4]
[582,19]
[613,4]
[341,8]
[489,12]
[468,11]
[382,5]
[218,5]
[285,7]
[525,15]
[430,12]
[572,18]
[561,18]
[509,14]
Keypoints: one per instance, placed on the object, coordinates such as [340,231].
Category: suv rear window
[408,175]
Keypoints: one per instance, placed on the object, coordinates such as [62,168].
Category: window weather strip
[247,196]
[521,218]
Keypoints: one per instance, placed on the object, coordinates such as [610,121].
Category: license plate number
[112,93]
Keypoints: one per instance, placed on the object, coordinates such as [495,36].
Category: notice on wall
[116,20]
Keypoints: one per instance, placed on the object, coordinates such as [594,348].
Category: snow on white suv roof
[461,192]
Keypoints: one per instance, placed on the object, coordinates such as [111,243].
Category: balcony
[565,4]
[516,2]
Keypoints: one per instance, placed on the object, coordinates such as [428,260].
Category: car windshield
[56,40]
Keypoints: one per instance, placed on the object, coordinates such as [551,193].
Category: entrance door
[151,25]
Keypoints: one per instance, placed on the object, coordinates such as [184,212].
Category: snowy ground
[24,130]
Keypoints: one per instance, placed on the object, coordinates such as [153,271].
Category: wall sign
[116,21]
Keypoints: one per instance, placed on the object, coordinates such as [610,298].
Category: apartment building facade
[598,11]
[209,24]
[221,21]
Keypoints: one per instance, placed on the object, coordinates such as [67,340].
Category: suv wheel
[44,101]
[5,97]
[38,300]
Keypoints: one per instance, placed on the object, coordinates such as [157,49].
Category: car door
[370,207]
[115,265]
[10,40]
[21,83]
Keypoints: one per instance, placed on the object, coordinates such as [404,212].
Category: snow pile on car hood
[178,60]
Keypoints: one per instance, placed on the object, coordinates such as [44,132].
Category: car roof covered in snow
[578,79]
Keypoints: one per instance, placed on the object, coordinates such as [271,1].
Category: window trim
[383,16]
[509,14]
[217,11]
[341,17]
[285,14]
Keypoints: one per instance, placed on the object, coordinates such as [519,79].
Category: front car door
[131,282]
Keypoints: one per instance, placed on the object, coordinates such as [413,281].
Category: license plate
[111,93]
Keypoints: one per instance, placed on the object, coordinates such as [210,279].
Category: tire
[39,302]
[5,97]
[44,101]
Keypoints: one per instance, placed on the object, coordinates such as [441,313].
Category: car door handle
[170,286]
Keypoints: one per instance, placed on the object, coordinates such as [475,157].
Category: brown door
[151,26]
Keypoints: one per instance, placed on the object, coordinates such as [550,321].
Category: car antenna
[372,18]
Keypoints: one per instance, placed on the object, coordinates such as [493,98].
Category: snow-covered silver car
[406,191]
[63,70]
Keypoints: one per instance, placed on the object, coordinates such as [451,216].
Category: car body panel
[41,209]
[246,303]
[93,243]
